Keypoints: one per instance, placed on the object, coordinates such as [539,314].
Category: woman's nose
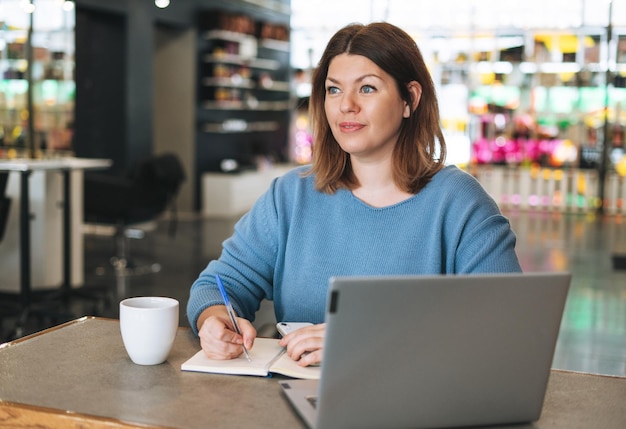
[348,103]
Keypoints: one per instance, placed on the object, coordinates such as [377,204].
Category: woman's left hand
[305,345]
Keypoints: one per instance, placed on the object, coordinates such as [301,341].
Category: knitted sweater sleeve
[480,238]
[246,265]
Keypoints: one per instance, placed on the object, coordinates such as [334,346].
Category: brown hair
[415,160]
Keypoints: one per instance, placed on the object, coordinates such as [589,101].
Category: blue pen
[231,312]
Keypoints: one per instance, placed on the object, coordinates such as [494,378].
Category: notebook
[434,351]
[266,357]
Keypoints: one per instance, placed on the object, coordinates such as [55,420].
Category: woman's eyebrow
[358,79]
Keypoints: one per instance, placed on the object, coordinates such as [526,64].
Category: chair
[148,191]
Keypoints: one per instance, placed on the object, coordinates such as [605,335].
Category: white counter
[232,195]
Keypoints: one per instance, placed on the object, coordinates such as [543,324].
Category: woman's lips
[350,126]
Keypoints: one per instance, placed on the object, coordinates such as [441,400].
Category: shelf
[273,5]
[231,36]
[39,108]
[239,82]
[230,82]
[45,61]
[239,126]
[258,106]
[275,86]
[277,45]
[529,67]
[257,63]
[24,83]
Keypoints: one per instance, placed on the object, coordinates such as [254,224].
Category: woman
[377,200]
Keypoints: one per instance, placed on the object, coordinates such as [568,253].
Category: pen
[231,312]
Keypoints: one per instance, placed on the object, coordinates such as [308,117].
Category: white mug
[148,325]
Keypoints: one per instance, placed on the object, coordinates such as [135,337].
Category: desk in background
[45,195]
[79,375]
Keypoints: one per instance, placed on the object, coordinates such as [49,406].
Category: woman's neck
[377,187]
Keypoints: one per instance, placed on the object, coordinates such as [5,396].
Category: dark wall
[139,78]
[100,123]
[114,76]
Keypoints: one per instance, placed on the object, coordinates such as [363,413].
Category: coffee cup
[148,325]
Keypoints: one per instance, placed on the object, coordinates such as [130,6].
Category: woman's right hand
[218,337]
[305,345]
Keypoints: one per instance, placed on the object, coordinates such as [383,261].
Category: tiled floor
[593,331]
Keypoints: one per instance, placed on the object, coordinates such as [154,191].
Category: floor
[593,330]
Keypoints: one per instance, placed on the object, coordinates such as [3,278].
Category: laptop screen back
[438,351]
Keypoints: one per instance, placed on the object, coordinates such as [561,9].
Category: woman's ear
[415,92]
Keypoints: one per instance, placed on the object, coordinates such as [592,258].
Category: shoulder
[458,191]
[286,189]
[296,180]
[295,175]
[454,180]
[452,173]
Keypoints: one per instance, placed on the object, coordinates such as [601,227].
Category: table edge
[25,415]
[51,329]
[593,374]
[65,325]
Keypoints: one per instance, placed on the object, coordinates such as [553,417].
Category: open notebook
[266,357]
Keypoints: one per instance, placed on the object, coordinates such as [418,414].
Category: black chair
[146,193]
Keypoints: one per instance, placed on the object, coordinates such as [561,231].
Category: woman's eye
[367,89]
[332,90]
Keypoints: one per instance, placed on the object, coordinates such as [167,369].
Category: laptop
[434,351]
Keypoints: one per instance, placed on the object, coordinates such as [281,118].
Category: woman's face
[363,107]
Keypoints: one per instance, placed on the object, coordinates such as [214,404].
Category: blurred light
[528,68]
[68,6]
[620,166]
[28,6]
[565,152]
[502,67]
[162,3]
[559,67]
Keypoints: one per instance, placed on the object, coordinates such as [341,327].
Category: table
[25,167]
[79,375]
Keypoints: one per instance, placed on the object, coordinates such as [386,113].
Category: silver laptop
[434,351]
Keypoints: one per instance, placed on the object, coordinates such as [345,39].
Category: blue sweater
[295,238]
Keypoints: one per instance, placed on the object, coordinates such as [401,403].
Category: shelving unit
[555,76]
[239,80]
[516,101]
[550,99]
[244,91]
[51,74]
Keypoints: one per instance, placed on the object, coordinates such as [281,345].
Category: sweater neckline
[373,208]
[400,203]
